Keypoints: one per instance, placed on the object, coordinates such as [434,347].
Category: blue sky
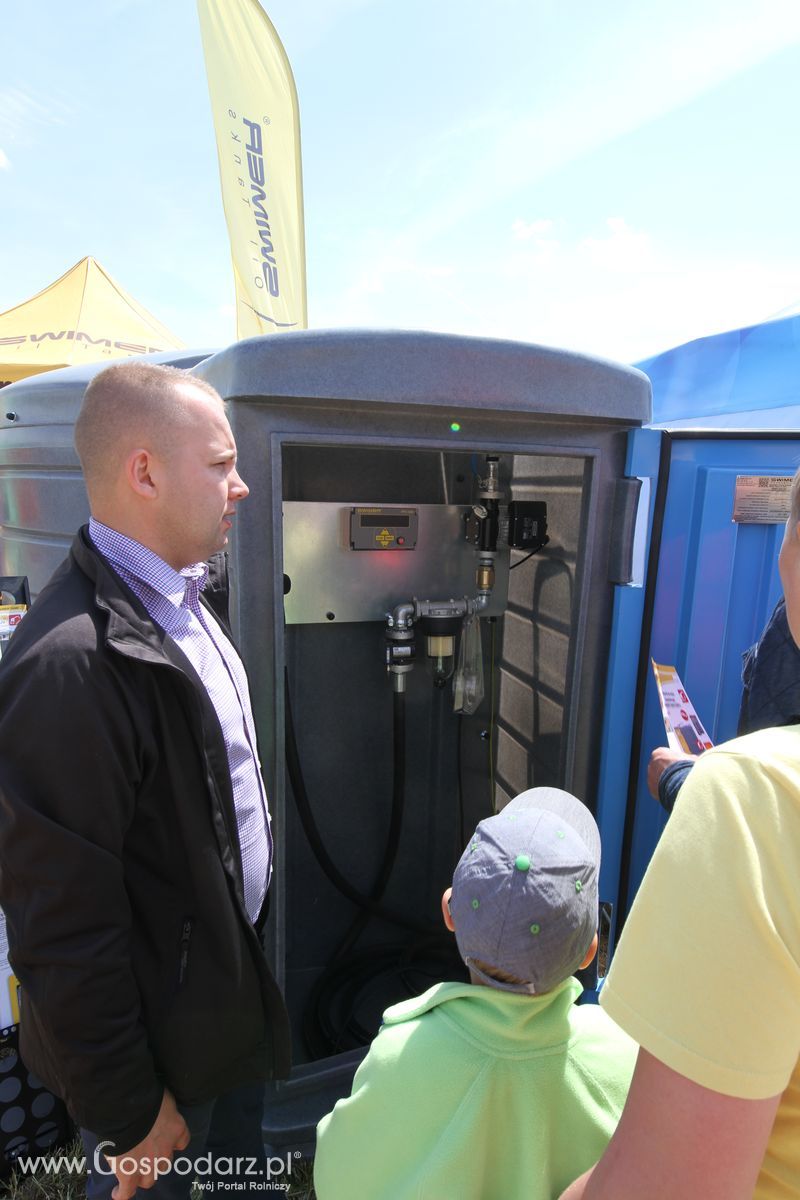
[611,178]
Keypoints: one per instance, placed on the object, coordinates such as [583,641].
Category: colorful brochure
[685,731]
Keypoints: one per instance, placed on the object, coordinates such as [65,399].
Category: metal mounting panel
[328,577]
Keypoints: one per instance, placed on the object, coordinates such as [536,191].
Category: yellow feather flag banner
[257,127]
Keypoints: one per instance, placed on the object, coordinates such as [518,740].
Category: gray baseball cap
[525,891]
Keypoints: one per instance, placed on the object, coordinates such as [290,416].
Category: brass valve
[484,577]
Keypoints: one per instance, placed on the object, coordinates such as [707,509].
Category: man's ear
[139,473]
[446,914]
[590,953]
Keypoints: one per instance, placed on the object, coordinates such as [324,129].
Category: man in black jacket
[135,844]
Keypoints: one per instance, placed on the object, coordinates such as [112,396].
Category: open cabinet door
[711,584]
[643,463]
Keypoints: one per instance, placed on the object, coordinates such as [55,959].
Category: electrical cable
[520,561]
[462,836]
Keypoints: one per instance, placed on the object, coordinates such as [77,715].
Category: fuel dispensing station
[426,510]
[424,577]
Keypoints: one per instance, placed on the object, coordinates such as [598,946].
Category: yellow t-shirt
[707,973]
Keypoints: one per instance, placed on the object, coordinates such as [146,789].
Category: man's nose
[237,488]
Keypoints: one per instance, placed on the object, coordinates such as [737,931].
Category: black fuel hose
[329,1020]
[395,829]
[340,881]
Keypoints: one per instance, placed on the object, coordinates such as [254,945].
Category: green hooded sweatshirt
[472,1093]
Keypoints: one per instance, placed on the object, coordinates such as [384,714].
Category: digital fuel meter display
[383,528]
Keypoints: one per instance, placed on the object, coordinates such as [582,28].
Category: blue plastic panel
[717,583]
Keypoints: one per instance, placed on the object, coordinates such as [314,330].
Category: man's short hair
[126,403]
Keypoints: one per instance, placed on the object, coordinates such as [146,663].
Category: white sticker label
[762,499]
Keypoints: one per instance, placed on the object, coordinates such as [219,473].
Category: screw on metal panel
[11,416]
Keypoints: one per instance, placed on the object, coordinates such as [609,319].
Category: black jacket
[120,871]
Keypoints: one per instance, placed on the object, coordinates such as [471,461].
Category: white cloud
[619,295]
[517,142]
[539,246]
[607,288]
[624,249]
[5,165]
[525,230]
[384,277]
[626,298]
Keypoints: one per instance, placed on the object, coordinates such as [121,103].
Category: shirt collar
[144,565]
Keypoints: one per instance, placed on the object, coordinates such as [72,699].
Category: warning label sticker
[762,499]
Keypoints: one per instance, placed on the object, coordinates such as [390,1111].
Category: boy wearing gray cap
[502,1087]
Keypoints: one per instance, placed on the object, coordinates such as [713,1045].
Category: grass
[63,1186]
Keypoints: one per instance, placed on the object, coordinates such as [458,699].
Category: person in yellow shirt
[706,978]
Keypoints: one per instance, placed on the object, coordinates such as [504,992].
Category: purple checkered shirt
[172,598]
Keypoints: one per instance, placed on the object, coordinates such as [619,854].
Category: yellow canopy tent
[83,317]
